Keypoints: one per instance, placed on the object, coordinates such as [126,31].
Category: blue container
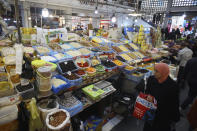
[74,109]
[66,56]
[61,87]
[41,54]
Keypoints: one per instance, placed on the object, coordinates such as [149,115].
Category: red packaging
[142,105]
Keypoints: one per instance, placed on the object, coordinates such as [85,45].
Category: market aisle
[130,123]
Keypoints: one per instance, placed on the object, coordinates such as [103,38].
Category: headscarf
[164,70]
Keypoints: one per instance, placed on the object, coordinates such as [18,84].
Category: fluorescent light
[14,21]
[127,18]
[29,18]
[5,19]
[51,16]
[135,14]
[96,11]
[131,10]
[184,15]
[135,20]
[45,12]
[8,18]
[113,19]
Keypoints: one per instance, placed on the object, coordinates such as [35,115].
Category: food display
[57,118]
[80,72]
[120,58]
[91,71]
[57,82]
[94,44]
[139,54]
[5,51]
[42,50]
[100,68]
[117,49]
[59,56]
[129,68]
[74,53]
[28,50]
[123,48]
[97,40]
[82,63]
[15,78]
[67,66]
[104,48]
[128,47]
[133,46]
[48,58]
[85,51]
[107,63]
[22,88]
[66,47]
[71,76]
[132,55]
[3,77]
[94,61]
[55,46]
[85,43]
[118,62]
[75,45]
[126,57]
[151,68]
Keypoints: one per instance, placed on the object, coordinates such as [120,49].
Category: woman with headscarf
[165,91]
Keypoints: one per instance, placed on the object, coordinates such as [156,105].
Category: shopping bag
[144,109]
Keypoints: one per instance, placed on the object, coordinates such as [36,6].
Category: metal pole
[17,20]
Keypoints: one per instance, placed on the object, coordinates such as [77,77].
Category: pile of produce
[71,76]
[107,63]
[82,63]
[57,118]
[67,66]
[57,82]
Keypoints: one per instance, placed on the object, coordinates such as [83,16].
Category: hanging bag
[145,109]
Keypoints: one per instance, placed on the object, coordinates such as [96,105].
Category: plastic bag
[7,51]
[144,109]
[10,60]
[35,121]
[19,58]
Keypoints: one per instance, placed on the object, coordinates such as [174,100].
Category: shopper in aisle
[192,117]
[165,91]
[184,55]
[190,74]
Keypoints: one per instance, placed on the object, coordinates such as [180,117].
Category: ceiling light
[127,18]
[184,15]
[131,10]
[51,16]
[113,18]
[5,19]
[135,14]
[14,21]
[29,18]
[135,20]
[45,12]
[96,11]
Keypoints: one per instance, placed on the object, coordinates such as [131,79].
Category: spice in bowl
[71,76]
[57,118]
[83,63]
[117,49]
[67,66]
[95,61]
[80,72]
[108,63]
[118,63]
[129,68]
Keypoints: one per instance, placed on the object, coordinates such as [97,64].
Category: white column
[26,14]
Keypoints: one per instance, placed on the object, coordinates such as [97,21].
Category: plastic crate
[59,68]
[27,94]
[61,87]
[74,109]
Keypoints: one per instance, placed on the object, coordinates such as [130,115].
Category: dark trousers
[158,126]
[191,96]
[180,77]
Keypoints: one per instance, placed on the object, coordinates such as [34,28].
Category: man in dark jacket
[190,74]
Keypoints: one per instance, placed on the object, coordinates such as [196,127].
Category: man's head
[184,44]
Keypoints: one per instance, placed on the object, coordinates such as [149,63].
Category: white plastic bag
[7,51]
[19,58]
[67,120]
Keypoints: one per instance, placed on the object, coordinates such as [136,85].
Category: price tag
[24,82]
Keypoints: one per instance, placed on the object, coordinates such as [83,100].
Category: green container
[93,92]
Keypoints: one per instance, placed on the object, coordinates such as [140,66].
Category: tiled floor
[131,124]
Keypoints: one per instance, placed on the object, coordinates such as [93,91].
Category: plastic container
[6,89]
[60,87]
[26,94]
[64,126]
[74,109]
[44,83]
[80,60]
[44,111]
[74,82]
[66,68]
[8,114]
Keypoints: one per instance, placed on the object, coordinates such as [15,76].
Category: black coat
[167,96]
